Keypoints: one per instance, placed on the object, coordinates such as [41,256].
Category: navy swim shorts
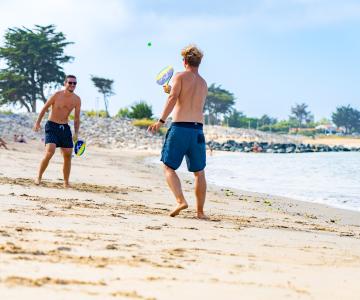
[59,134]
[185,139]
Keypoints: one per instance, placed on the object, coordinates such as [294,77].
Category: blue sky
[270,53]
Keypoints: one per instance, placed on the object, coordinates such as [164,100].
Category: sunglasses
[72,82]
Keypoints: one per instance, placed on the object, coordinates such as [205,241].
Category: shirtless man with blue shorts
[57,130]
[185,137]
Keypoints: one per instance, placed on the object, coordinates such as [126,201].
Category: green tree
[251,123]
[300,113]
[105,88]
[266,120]
[235,119]
[323,121]
[141,110]
[284,125]
[123,113]
[218,102]
[239,120]
[348,117]
[33,60]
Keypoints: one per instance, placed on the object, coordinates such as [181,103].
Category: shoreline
[153,156]
[110,236]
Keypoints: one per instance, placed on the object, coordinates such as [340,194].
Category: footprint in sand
[62,248]
[191,228]
[111,247]
[153,227]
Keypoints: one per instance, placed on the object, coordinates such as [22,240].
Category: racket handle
[167,88]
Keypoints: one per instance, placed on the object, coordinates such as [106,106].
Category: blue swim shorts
[185,139]
[59,134]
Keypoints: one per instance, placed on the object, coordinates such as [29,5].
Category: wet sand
[110,236]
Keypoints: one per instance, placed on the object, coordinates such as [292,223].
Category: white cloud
[267,15]
[285,15]
[89,21]
[80,20]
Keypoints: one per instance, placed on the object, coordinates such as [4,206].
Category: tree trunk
[23,103]
[33,92]
[43,98]
[106,107]
[33,106]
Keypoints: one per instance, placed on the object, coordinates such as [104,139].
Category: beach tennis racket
[79,147]
[164,76]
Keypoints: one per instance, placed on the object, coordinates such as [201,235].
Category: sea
[328,178]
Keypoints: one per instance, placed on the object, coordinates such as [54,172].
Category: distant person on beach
[210,150]
[21,139]
[3,144]
[185,136]
[57,130]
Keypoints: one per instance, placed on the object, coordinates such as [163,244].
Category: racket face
[79,148]
[165,75]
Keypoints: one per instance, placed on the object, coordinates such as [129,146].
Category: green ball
[149,44]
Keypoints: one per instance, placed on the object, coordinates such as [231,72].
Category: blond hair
[192,55]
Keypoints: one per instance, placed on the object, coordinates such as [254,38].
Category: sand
[110,236]
[334,141]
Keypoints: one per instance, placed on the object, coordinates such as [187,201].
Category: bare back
[62,104]
[191,99]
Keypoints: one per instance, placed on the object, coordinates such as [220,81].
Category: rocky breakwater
[118,133]
[222,134]
[270,147]
[102,132]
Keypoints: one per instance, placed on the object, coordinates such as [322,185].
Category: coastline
[216,176]
[110,236]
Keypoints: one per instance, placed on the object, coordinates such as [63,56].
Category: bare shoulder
[179,75]
[203,82]
[52,99]
[77,98]
[57,94]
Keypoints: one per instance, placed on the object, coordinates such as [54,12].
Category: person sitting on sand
[57,130]
[3,144]
[185,136]
[256,148]
[21,139]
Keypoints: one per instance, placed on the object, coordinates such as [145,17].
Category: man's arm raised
[42,112]
[170,103]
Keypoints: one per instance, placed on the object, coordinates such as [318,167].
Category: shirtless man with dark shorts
[185,137]
[57,130]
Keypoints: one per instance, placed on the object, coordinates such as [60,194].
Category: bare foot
[67,185]
[178,209]
[202,216]
[37,181]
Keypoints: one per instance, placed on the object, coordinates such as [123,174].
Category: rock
[102,132]
[265,147]
[120,133]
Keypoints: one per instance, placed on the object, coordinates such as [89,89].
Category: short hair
[69,76]
[192,55]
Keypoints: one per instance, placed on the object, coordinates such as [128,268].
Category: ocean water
[328,178]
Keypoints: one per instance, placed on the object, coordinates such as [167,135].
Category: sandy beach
[110,236]
[333,141]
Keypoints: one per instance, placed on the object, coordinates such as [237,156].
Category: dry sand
[110,237]
[334,141]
